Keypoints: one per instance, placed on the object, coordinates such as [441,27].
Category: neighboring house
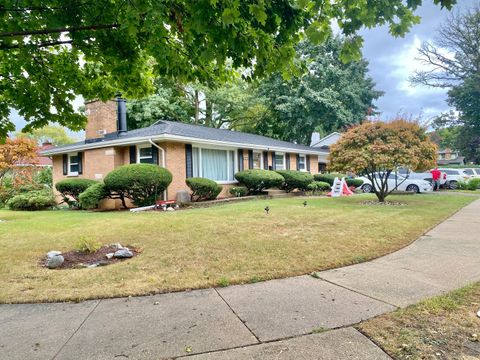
[324,144]
[186,150]
[450,157]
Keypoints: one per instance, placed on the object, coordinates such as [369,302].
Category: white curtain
[214,164]
[196,162]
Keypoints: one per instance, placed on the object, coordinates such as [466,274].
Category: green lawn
[206,247]
[446,325]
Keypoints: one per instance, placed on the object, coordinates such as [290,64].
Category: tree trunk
[197,107]
[208,113]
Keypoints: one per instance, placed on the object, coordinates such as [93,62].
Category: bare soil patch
[78,259]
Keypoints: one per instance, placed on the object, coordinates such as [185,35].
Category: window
[257,160]
[145,155]
[73,164]
[279,161]
[301,163]
[469,171]
[214,164]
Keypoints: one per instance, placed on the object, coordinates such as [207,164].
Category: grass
[444,327]
[205,247]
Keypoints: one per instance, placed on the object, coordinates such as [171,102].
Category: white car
[454,176]
[399,183]
[427,176]
[474,172]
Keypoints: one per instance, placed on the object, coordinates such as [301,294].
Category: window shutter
[188,160]
[307,159]
[65,164]
[250,159]
[80,163]
[265,160]
[274,166]
[133,154]
[287,161]
[154,155]
[298,162]
[240,160]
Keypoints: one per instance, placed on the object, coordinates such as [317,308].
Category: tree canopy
[380,148]
[53,134]
[14,153]
[453,61]
[54,50]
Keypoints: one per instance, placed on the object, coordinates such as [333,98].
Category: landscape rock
[53,253]
[183,197]
[123,253]
[109,255]
[170,209]
[117,246]
[55,261]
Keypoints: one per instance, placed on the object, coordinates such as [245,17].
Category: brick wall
[102,117]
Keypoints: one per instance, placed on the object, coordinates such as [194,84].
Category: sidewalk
[295,318]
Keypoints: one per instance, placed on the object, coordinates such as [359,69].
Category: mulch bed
[77,259]
[385,203]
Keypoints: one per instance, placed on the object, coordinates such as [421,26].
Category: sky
[392,61]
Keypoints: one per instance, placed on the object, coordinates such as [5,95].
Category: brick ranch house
[185,150]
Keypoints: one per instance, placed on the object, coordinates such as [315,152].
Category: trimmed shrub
[354,182]
[90,198]
[328,178]
[203,189]
[473,184]
[259,180]
[238,191]
[462,185]
[295,180]
[142,183]
[318,186]
[87,245]
[72,188]
[31,201]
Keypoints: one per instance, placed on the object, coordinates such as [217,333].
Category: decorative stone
[183,197]
[170,209]
[103,263]
[55,261]
[117,246]
[109,255]
[123,253]
[53,253]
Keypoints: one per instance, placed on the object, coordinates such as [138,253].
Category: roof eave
[177,138]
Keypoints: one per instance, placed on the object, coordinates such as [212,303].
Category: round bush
[473,184]
[354,182]
[34,200]
[295,180]
[142,183]
[90,198]
[318,186]
[259,180]
[72,188]
[238,191]
[203,189]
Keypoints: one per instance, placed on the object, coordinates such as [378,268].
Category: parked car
[454,176]
[427,176]
[474,172]
[400,183]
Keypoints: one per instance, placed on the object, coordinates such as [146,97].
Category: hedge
[142,183]
[258,180]
[90,198]
[31,201]
[329,178]
[295,179]
[238,191]
[203,189]
[318,186]
[72,188]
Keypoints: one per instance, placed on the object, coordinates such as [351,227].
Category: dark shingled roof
[164,127]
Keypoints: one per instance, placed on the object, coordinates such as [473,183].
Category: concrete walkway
[295,318]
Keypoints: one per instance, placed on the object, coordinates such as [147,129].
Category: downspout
[163,161]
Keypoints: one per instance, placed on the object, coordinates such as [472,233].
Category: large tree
[53,134]
[54,50]
[376,149]
[15,153]
[329,96]
[453,62]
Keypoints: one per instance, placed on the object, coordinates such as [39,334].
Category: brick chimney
[101,118]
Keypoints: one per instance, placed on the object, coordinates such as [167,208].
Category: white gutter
[164,137]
